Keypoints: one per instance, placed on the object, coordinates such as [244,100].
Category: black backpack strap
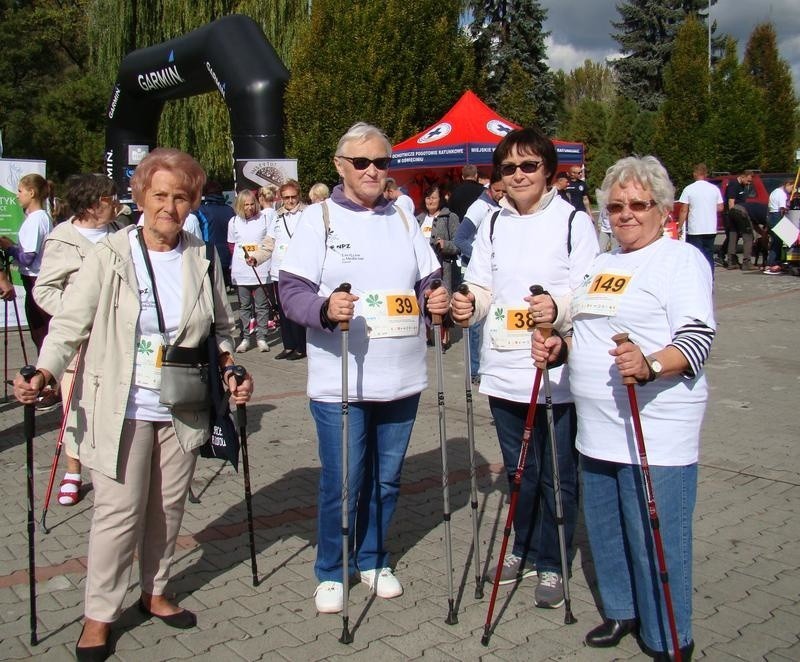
[491,225]
[569,231]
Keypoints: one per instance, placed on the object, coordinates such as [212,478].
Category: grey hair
[645,170]
[361,131]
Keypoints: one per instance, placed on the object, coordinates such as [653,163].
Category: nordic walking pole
[452,616]
[347,636]
[5,354]
[59,443]
[30,432]
[546,330]
[655,526]
[19,328]
[260,283]
[239,374]
[527,432]
[473,476]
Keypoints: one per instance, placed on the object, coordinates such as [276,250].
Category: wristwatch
[655,367]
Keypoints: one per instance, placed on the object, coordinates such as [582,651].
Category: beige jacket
[64,252]
[102,309]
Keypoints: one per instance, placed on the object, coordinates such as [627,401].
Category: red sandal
[68,497]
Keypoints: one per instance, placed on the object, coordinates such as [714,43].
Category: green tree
[646,35]
[370,67]
[589,124]
[681,139]
[200,124]
[508,34]
[778,109]
[620,132]
[735,132]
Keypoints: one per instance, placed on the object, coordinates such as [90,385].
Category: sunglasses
[636,206]
[362,162]
[528,167]
[289,197]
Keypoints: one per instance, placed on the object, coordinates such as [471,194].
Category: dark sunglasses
[362,162]
[528,167]
[636,206]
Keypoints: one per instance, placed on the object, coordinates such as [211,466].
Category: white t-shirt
[527,250]
[377,254]
[702,198]
[192,226]
[479,210]
[282,229]
[668,286]
[426,226]
[143,403]
[778,200]
[250,234]
[34,230]
[406,204]
[92,235]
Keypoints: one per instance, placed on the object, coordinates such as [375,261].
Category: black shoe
[183,620]
[686,654]
[611,632]
[92,653]
[285,354]
[296,356]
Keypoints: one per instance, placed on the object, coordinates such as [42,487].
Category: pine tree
[589,125]
[370,67]
[778,109]
[646,36]
[735,132]
[507,34]
[680,139]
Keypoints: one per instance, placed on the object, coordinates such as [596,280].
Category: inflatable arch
[231,55]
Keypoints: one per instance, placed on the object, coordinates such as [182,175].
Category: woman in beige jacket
[141,455]
[92,200]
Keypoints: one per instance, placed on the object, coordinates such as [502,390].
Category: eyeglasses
[636,206]
[362,162]
[528,167]
[289,197]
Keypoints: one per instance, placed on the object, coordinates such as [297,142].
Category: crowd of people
[103,291]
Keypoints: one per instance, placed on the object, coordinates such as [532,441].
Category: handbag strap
[149,266]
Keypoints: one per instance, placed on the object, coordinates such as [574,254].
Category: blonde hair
[38,185]
[241,199]
[319,192]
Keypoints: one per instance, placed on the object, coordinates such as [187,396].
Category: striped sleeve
[694,340]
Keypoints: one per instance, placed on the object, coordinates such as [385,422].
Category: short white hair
[361,131]
[646,171]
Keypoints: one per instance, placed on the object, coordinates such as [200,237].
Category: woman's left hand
[241,392]
[542,308]
[630,361]
[437,301]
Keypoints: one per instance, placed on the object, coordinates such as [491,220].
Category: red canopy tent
[467,133]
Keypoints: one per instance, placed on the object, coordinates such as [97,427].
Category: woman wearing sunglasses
[659,291]
[536,239]
[361,238]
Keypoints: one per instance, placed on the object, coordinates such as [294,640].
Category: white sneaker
[263,345]
[244,345]
[329,597]
[384,585]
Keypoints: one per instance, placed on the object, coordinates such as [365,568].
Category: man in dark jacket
[214,214]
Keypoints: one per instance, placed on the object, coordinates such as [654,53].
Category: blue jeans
[705,244]
[616,514]
[475,335]
[535,528]
[379,433]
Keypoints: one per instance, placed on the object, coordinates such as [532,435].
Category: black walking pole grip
[344,287]
[464,289]
[536,290]
[239,373]
[27,373]
[435,285]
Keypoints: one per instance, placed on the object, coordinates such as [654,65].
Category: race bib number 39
[509,327]
[391,314]
[601,294]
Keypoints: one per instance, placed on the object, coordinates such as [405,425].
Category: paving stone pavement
[746,553]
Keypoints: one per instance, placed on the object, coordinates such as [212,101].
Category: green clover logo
[145,347]
[373,300]
[499,314]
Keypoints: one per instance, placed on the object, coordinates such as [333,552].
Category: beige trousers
[139,512]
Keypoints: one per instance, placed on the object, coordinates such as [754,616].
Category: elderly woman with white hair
[659,291]
[360,237]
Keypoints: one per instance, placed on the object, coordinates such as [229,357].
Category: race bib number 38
[391,314]
[601,294]
[510,327]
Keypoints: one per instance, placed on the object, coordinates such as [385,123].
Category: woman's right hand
[341,306]
[28,391]
[462,306]
[545,350]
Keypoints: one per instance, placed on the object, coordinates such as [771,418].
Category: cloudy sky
[580,29]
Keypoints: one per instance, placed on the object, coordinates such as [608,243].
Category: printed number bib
[147,362]
[600,294]
[510,327]
[391,314]
[250,247]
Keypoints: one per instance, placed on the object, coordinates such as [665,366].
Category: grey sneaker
[549,593]
[513,570]
[243,346]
